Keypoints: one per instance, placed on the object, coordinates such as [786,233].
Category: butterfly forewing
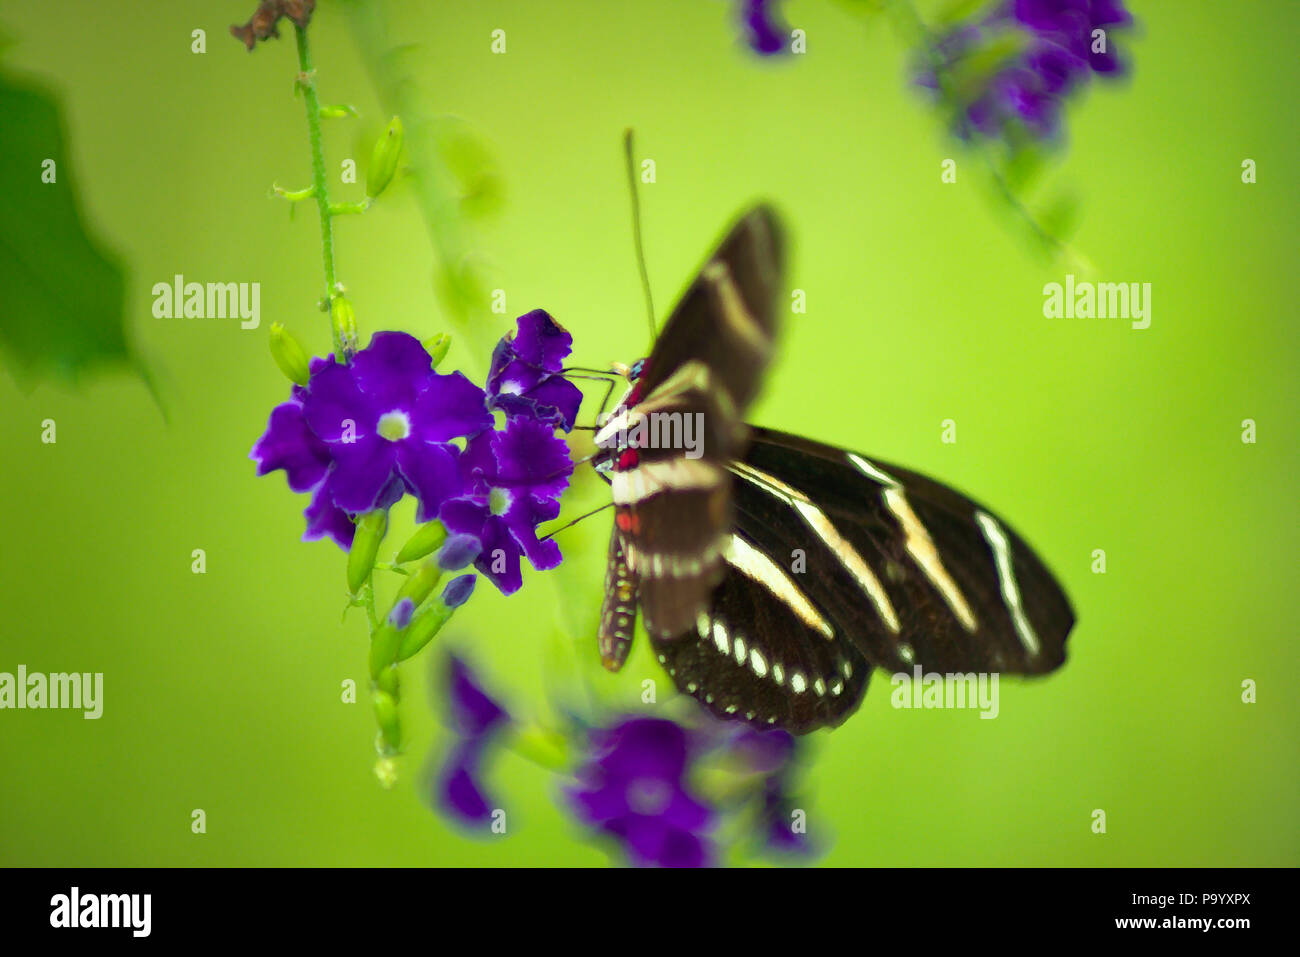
[672,501]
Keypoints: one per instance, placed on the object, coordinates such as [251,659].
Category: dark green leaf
[61,293]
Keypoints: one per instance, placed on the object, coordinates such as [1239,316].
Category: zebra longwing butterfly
[897,570]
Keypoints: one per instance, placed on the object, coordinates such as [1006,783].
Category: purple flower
[1026,90]
[633,788]
[387,421]
[475,718]
[515,477]
[771,754]
[764,31]
[525,375]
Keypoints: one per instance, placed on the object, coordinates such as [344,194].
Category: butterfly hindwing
[751,656]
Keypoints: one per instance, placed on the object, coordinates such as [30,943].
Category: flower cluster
[1011,69]
[359,436]
[646,784]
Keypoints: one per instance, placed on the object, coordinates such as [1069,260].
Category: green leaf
[63,294]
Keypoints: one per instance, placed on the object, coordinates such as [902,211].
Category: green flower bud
[386,716]
[426,540]
[388,681]
[383,161]
[542,746]
[345,325]
[437,347]
[289,355]
[420,583]
[383,649]
[371,529]
[428,621]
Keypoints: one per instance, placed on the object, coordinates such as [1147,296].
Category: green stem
[320,185]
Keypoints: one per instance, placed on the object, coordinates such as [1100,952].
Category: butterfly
[773,573]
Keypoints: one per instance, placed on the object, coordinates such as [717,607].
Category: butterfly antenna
[629,153]
[575,521]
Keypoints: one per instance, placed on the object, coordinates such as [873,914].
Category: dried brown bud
[267,15]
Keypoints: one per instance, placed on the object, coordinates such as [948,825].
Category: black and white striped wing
[673,510]
[763,653]
[837,564]
[727,318]
[913,572]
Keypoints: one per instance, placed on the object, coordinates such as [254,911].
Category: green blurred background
[222,690]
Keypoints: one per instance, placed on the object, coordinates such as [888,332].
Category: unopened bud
[428,621]
[400,616]
[426,540]
[458,592]
[458,551]
[420,583]
[345,325]
[390,725]
[371,528]
[289,355]
[383,648]
[383,161]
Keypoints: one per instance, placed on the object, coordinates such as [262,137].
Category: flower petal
[458,791]
[541,341]
[450,406]
[392,370]
[472,712]
[290,445]
[430,471]
[325,518]
[531,456]
[335,407]
[362,470]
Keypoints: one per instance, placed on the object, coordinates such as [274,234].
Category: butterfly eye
[638,367]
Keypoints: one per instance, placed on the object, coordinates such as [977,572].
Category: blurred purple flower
[765,32]
[475,719]
[1064,43]
[632,787]
[515,477]
[525,375]
[770,757]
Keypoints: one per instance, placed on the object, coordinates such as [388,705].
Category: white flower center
[648,796]
[394,426]
[499,501]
